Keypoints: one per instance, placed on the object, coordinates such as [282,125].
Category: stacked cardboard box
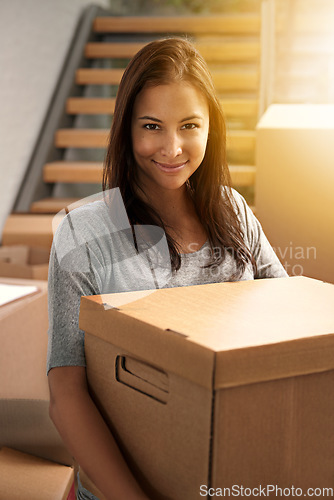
[24,401]
[294,186]
[26,476]
[217,385]
[20,261]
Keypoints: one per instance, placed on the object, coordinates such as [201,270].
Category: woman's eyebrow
[193,117]
[150,118]
[197,117]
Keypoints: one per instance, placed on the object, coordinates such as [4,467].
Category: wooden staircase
[231,45]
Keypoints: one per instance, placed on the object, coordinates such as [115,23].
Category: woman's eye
[151,126]
[190,126]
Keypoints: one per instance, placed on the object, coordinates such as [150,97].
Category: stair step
[51,205]
[239,140]
[28,229]
[72,172]
[241,108]
[87,172]
[242,175]
[231,51]
[92,106]
[118,50]
[237,79]
[81,138]
[226,24]
[88,76]
[218,51]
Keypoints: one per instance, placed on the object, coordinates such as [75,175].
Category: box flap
[239,322]
[151,343]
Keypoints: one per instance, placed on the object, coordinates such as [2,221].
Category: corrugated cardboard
[20,261]
[23,338]
[222,384]
[27,477]
[24,394]
[294,186]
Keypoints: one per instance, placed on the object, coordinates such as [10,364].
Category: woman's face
[170,126]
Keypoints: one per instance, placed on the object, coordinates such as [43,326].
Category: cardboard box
[217,385]
[24,394]
[294,186]
[27,477]
[20,261]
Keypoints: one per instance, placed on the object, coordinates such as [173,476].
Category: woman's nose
[171,146]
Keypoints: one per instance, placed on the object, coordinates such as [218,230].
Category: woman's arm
[87,436]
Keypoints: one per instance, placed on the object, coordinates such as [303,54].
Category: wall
[34,39]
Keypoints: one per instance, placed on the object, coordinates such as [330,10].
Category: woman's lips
[167,167]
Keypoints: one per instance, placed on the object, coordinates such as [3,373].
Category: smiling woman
[166,159]
[170,125]
[169,81]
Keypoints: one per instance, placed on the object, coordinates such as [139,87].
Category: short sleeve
[71,275]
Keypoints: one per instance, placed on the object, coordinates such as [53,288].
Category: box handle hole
[142,377]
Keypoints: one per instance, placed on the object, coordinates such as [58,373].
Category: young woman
[165,168]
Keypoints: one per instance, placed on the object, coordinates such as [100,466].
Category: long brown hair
[157,63]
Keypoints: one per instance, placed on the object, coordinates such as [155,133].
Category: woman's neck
[170,204]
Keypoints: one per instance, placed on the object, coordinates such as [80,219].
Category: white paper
[8,293]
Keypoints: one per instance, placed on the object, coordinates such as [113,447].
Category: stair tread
[228,23]
[51,205]
[219,50]
[85,172]
[89,105]
[242,175]
[81,138]
[242,107]
[227,79]
[97,76]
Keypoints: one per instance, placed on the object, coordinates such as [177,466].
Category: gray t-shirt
[93,252]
